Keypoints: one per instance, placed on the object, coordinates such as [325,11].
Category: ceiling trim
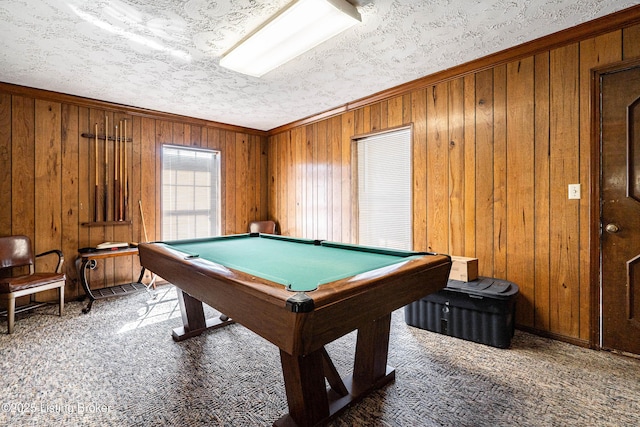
[119,108]
[618,20]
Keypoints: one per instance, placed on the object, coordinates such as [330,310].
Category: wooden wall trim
[624,18]
[119,108]
[382,131]
[554,336]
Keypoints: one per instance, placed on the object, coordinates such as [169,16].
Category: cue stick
[144,226]
[146,239]
[121,148]
[95,194]
[126,175]
[116,183]
[106,168]
[117,154]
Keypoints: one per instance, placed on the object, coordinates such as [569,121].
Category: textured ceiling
[163,54]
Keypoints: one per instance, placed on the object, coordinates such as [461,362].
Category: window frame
[215,190]
[355,225]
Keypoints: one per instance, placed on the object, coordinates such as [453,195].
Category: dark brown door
[620,207]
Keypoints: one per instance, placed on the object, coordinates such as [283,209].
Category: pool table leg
[306,390]
[193,318]
[310,403]
[372,349]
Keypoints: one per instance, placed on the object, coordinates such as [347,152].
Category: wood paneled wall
[494,152]
[46,177]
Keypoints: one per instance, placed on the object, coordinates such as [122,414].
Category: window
[384,190]
[190,193]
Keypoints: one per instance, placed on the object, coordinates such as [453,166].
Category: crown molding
[615,21]
[119,108]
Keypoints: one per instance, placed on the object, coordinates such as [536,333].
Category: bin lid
[485,287]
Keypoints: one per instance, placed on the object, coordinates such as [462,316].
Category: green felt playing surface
[296,263]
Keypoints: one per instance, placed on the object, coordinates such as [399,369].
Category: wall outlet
[574,191]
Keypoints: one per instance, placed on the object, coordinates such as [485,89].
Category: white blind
[190,193]
[384,190]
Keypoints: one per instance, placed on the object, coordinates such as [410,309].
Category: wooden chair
[267,227]
[15,251]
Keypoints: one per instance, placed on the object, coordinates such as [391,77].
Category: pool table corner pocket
[300,303]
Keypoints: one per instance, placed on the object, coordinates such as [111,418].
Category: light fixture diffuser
[299,27]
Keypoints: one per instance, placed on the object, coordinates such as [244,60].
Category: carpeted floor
[118,366]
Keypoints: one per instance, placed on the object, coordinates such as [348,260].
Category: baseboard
[558,337]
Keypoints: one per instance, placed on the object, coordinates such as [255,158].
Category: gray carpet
[118,366]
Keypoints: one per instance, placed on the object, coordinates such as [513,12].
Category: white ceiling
[163,54]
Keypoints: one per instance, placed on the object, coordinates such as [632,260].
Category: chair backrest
[15,251]
[268,227]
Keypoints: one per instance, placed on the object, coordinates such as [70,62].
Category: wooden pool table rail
[339,306]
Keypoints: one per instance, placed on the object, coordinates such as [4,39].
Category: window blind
[190,193]
[384,190]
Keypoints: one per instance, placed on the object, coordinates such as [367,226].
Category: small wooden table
[88,260]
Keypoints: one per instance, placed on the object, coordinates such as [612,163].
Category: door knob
[612,228]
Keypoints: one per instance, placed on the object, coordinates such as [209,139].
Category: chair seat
[27,281]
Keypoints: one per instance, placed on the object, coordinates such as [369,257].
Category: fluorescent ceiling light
[299,27]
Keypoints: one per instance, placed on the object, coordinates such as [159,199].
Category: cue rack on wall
[109,174]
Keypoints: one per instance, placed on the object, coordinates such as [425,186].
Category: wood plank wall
[494,152]
[47,178]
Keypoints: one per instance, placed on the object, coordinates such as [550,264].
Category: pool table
[300,294]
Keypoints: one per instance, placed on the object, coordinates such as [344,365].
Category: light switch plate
[574,191]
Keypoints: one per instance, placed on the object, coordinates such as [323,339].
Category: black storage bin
[482,311]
